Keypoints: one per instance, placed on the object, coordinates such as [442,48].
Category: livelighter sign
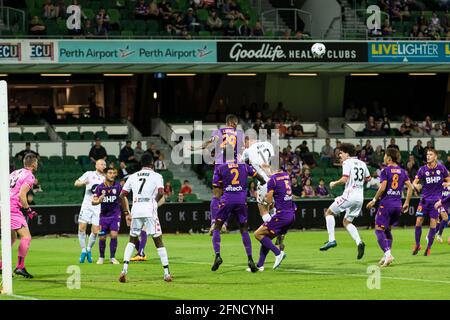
[290,51]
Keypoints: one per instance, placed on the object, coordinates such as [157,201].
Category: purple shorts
[387,216]
[280,222]
[109,223]
[227,210]
[426,207]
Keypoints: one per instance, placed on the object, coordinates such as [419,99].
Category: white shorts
[89,216]
[148,224]
[351,207]
[261,194]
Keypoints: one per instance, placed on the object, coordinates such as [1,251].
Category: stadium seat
[190,197]
[14,136]
[114,16]
[204,34]
[28,136]
[42,136]
[89,13]
[62,135]
[73,135]
[83,160]
[88,135]
[103,135]
[126,33]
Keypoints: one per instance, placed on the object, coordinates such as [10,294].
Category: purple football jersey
[280,184]
[233,179]
[110,205]
[229,143]
[395,178]
[432,180]
[446,198]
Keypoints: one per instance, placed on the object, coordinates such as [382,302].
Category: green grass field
[306,273]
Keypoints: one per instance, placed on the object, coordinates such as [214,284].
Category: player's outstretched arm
[408,196]
[342,180]
[380,191]
[79,183]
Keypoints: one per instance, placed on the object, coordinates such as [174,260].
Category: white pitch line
[331,273]
[22,297]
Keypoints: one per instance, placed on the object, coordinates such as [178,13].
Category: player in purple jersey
[279,195]
[431,176]
[392,179]
[107,194]
[20,182]
[232,179]
[443,205]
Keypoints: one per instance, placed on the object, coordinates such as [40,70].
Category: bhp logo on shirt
[433,179]
[109,199]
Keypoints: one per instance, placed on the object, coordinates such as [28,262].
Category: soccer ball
[318,50]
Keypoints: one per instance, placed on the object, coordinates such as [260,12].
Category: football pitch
[306,273]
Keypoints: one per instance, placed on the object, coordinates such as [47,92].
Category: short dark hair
[348,148]
[128,141]
[29,159]
[432,150]
[146,160]
[394,154]
[109,168]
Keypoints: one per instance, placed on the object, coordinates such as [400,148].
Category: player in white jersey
[354,175]
[147,187]
[89,214]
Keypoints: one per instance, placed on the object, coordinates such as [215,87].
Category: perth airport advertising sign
[104,51]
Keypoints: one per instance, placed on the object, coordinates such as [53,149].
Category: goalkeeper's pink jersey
[17,179]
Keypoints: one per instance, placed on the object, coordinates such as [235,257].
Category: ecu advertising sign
[290,52]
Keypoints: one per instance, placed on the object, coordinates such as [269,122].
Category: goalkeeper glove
[29,212]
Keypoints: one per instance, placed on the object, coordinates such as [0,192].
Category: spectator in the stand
[20,155]
[15,114]
[257,30]
[306,176]
[418,151]
[153,151]
[336,157]
[297,129]
[245,30]
[180,198]
[60,9]
[247,119]
[296,165]
[141,10]
[214,23]
[386,125]
[368,148]
[363,115]
[416,131]
[258,125]
[371,127]
[296,187]
[266,110]
[269,126]
[102,23]
[427,125]
[282,129]
[97,151]
[436,131]
[321,190]
[94,112]
[412,167]
[186,187]
[138,151]
[447,162]
[160,164]
[308,190]
[49,10]
[435,22]
[37,28]
[327,151]
[447,126]
[191,21]
[279,112]
[50,115]
[230,30]
[127,153]
[29,114]
[363,156]
[165,11]
[407,126]
[180,25]
[428,147]
[168,190]
[377,157]
[393,145]
[289,171]
[303,149]
[352,112]
[231,10]
[124,172]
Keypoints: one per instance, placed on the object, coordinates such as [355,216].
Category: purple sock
[262,256]
[102,246]
[267,242]
[247,243]
[112,248]
[431,235]
[418,235]
[442,226]
[216,241]
[382,241]
[389,238]
[142,243]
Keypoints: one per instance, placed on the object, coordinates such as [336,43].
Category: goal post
[4,192]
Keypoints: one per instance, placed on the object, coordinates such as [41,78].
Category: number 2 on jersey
[236,176]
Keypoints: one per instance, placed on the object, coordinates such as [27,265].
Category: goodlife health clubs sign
[290,52]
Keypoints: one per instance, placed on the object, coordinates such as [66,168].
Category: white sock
[354,233]
[330,227]
[387,254]
[92,238]
[82,239]
[127,256]
[162,252]
[266,217]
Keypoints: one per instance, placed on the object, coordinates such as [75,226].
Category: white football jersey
[258,154]
[92,179]
[357,173]
[144,184]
